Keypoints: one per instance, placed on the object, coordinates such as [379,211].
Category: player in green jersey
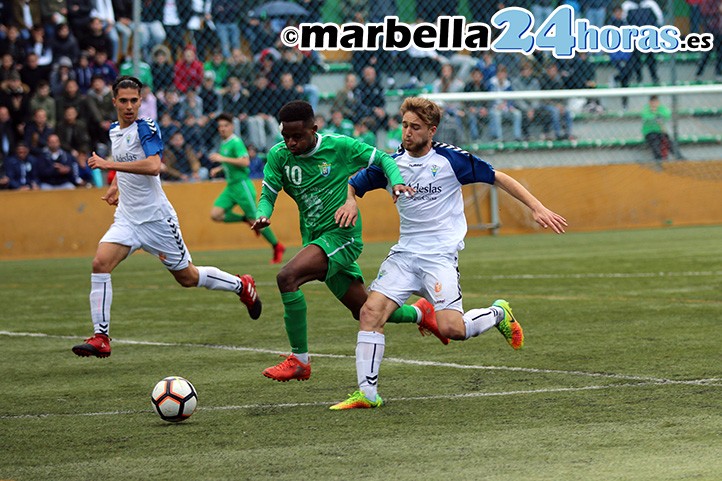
[240,191]
[314,170]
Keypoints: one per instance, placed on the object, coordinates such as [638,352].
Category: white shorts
[433,276]
[160,238]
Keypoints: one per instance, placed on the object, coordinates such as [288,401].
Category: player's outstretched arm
[148,166]
[543,216]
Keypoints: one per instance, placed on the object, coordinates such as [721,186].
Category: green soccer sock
[404,314]
[268,234]
[294,317]
[233,217]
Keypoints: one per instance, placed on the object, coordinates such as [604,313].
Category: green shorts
[243,195]
[342,248]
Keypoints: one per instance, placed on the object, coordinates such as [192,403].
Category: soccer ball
[174,399]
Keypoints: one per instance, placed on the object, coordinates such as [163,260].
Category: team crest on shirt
[434,169]
[438,287]
[325,169]
[381,274]
[128,140]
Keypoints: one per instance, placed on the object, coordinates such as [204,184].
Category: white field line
[435,397]
[599,275]
[396,360]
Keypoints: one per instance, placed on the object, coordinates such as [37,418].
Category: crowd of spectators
[198,58]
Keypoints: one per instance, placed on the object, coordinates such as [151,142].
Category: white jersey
[433,220]
[141,196]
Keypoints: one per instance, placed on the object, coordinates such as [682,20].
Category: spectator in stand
[654,129]
[433,9]
[695,16]
[71,96]
[255,168]
[180,161]
[104,67]
[227,15]
[394,134]
[286,92]
[149,104]
[188,72]
[152,32]
[532,114]
[193,133]
[171,103]
[345,100]
[487,65]
[40,46]
[478,110]
[555,108]
[26,14]
[79,16]
[21,169]
[208,93]
[260,35]
[313,7]
[15,95]
[53,13]
[8,134]
[647,12]
[579,73]
[595,11]
[263,127]
[145,74]
[176,15]
[162,68]
[83,72]
[31,74]
[65,44]
[218,65]
[7,65]
[42,99]
[94,38]
[301,66]
[363,133]
[503,110]
[448,82]
[241,67]
[235,102]
[14,44]
[340,125]
[57,169]
[711,11]
[101,111]
[168,126]
[73,133]
[123,10]
[371,99]
[37,132]
[201,26]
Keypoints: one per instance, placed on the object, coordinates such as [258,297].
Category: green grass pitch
[620,378]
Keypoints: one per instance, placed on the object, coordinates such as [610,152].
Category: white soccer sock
[369,353]
[302,356]
[101,297]
[217,280]
[418,314]
[481,320]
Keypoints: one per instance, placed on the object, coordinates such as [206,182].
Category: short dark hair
[126,82]
[297,110]
[225,116]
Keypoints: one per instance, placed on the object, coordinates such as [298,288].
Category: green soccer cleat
[509,327]
[358,400]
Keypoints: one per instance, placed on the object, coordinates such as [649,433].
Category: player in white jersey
[144,219]
[433,227]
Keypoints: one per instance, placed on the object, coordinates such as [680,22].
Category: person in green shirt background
[240,191]
[314,170]
[654,119]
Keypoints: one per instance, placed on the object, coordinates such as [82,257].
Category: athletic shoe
[278,251]
[509,327]
[98,346]
[428,320]
[358,400]
[249,296]
[289,369]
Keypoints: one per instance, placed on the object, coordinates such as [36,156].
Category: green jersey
[234,148]
[318,181]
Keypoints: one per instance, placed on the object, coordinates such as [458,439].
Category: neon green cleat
[358,400]
[509,327]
